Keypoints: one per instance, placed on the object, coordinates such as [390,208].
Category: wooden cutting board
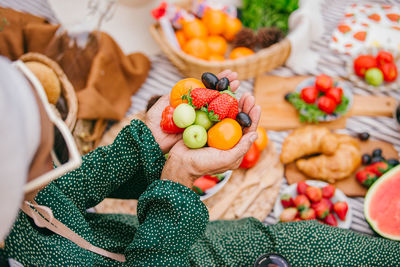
[350,186]
[279,115]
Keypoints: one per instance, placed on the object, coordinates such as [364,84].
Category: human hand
[185,165]
[153,116]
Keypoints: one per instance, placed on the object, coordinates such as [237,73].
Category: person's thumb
[245,143]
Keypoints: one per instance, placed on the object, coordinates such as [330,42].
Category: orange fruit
[225,134]
[232,27]
[194,29]
[196,47]
[216,44]
[262,139]
[181,88]
[240,52]
[180,36]
[214,20]
[216,57]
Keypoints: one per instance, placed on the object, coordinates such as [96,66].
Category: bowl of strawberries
[321,99]
[375,69]
[314,200]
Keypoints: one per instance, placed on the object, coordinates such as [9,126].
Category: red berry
[199,97]
[328,191]
[288,215]
[234,110]
[309,94]
[330,220]
[389,71]
[321,209]
[301,187]
[336,94]
[167,123]
[378,168]
[362,63]
[202,184]
[384,57]
[323,82]
[287,201]
[326,201]
[314,193]
[221,106]
[307,214]
[340,209]
[366,178]
[301,202]
[326,104]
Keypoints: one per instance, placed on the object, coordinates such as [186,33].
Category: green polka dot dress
[172,227]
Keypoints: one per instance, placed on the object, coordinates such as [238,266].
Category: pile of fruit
[319,100]
[377,69]
[202,184]
[313,203]
[376,166]
[207,37]
[206,112]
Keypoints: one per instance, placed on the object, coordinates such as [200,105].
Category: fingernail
[253,137]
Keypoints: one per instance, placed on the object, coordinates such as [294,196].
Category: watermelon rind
[368,198]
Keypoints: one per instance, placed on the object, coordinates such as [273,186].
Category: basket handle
[166,48]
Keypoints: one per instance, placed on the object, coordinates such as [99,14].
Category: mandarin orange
[214,20]
[181,88]
[196,47]
[216,44]
[194,29]
[232,27]
[262,139]
[180,36]
[240,52]
[225,134]
[215,57]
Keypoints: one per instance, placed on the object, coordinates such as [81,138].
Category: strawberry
[330,220]
[288,215]
[366,178]
[199,97]
[314,193]
[301,202]
[167,123]
[326,201]
[322,210]
[234,110]
[202,184]
[378,168]
[287,201]
[217,178]
[328,191]
[340,208]
[307,214]
[219,108]
[301,187]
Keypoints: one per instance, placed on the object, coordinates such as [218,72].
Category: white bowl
[346,92]
[339,196]
[208,193]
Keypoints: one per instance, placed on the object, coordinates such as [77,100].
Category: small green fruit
[184,115]
[202,119]
[195,136]
[374,76]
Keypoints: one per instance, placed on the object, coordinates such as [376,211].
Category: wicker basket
[248,67]
[67,90]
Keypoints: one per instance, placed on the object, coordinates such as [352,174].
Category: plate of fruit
[310,200]
[375,70]
[208,185]
[320,99]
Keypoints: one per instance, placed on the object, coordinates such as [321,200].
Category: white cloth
[19,140]
[306,26]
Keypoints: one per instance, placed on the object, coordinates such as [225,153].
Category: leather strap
[44,218]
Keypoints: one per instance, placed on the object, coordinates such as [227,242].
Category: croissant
[341,164]
[308,140]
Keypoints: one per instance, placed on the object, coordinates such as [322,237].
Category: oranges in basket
[194,29]
[196,47]
[240,52]
[232,27]
[214,20]
[216,44]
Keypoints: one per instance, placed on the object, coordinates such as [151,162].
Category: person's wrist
[175,170]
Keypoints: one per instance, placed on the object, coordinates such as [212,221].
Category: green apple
[202,119]
[195,136]
[184,115]
[374,76]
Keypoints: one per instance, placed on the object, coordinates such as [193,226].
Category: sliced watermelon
[382,205]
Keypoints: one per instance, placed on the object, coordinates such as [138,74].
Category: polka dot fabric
[172,227]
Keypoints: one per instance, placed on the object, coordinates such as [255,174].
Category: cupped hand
[185,165]
[153,116]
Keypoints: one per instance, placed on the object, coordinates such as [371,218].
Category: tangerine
[240,52]
[196,47]
[194,29]
[216,44]
[181,88]
[225,134]
[180,36]
[216,57]
[262,139]
[232,27]
[214,20]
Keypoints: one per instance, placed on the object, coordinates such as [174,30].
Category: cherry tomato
[167,123]
[336,94]
[323,82]
[251,157]
[389,71]
[309,94]
[384,57]
[326,104]
[362,63]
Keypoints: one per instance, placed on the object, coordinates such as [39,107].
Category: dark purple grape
[377,152]
[222,84]
[393,162]
[243,119]
[209,80]
[366,159]
[364,136]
